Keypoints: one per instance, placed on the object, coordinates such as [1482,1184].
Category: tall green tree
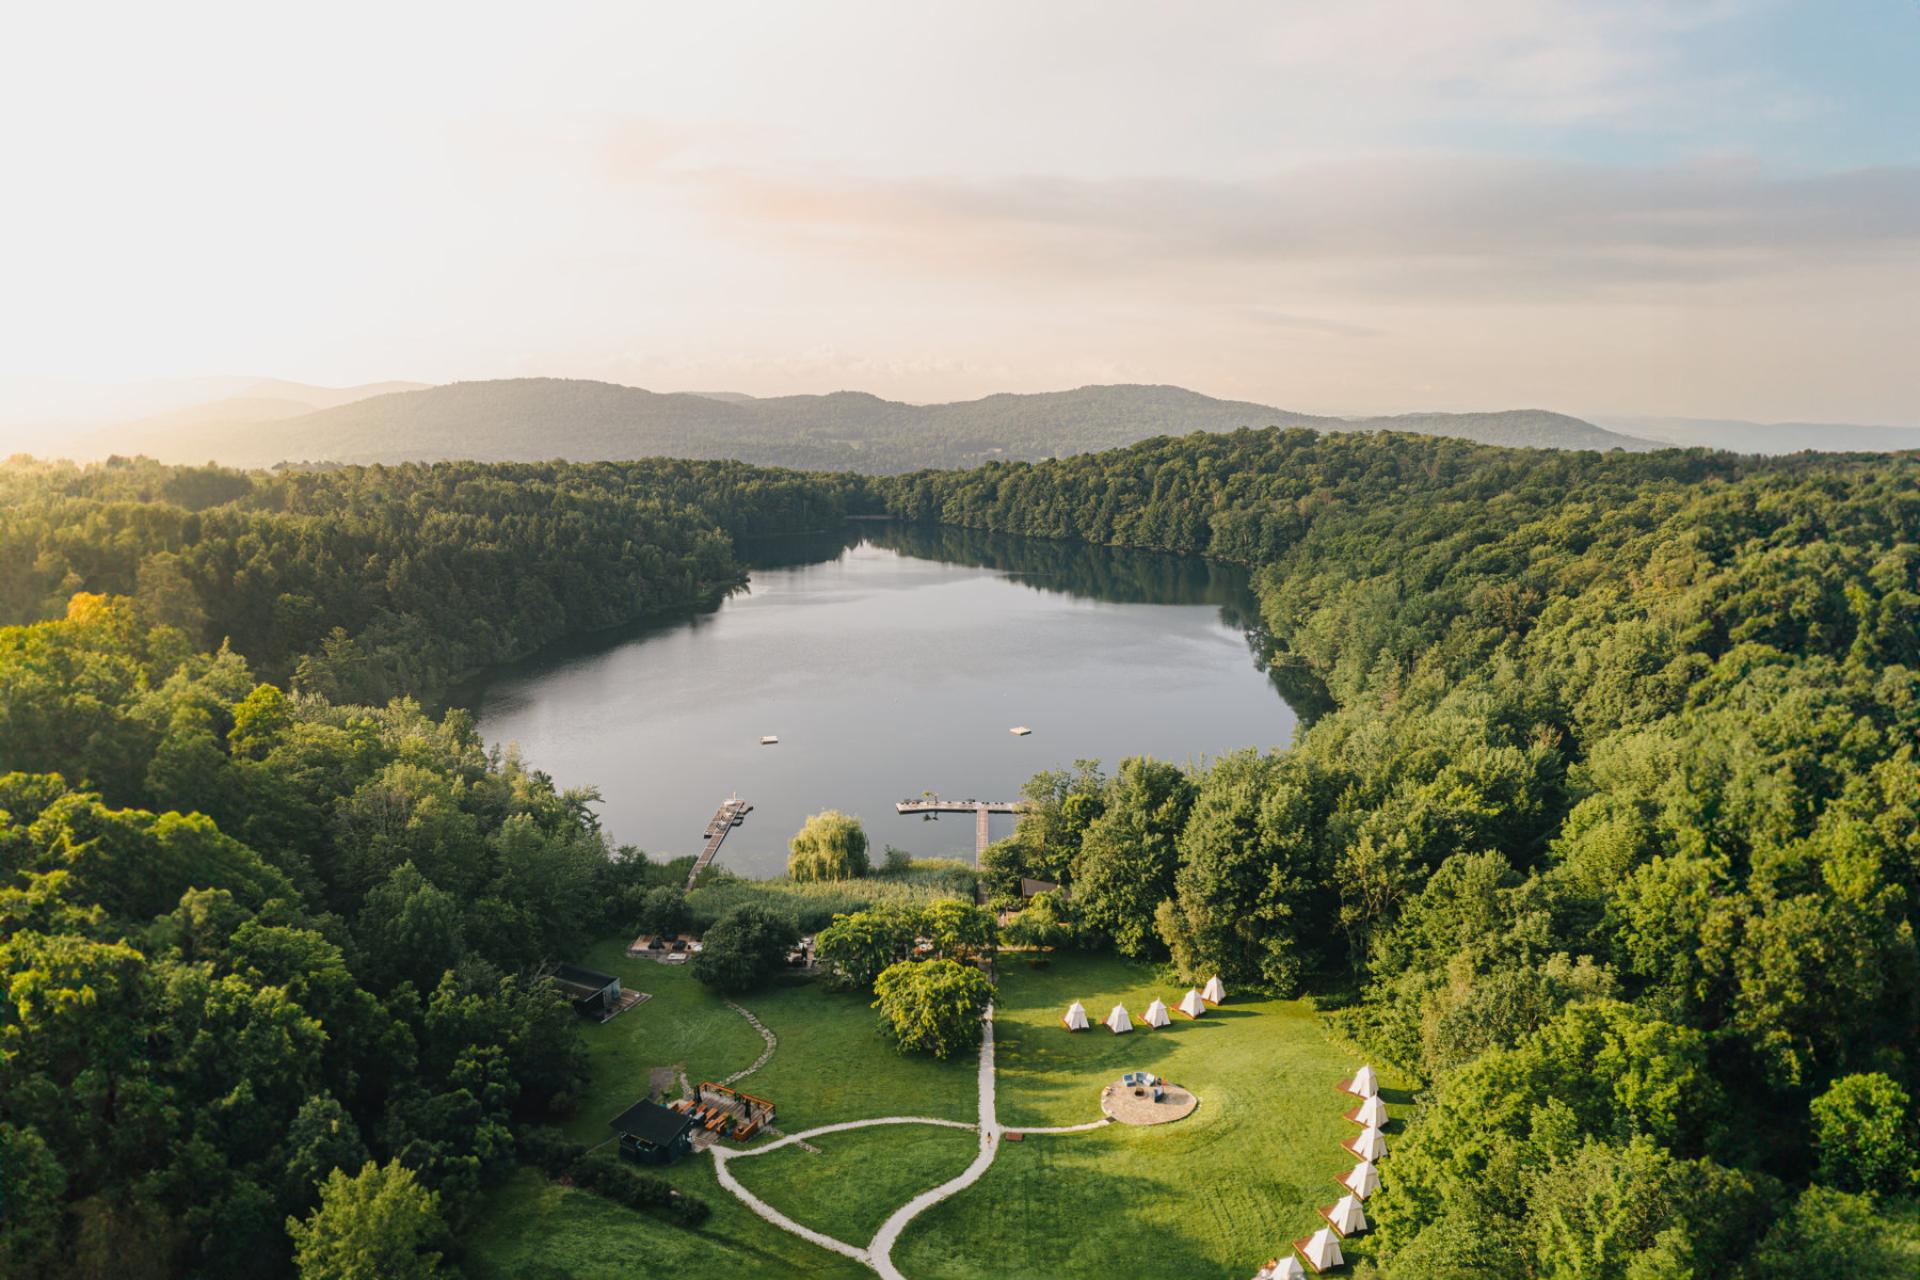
[376,1224]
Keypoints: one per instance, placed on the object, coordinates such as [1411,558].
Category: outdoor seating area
[1142,1097]
[676,949]
[726,1112]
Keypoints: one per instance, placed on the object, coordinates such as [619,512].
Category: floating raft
[1020,731]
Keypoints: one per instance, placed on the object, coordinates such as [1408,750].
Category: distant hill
[1736,436]
[526,419]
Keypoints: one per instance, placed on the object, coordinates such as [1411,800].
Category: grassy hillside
[533,419]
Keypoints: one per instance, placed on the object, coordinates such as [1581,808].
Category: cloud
[1421,225]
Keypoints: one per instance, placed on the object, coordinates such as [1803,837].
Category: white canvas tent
[1214,992]
[1322,1250]
[1118,1022]
[1363,1179]
[1156,1015]
[1369,1145]
[1076,1017]
[1191,1004]
[1287,1268]
[1347,1217]
[1372,1113]
[1364,1084]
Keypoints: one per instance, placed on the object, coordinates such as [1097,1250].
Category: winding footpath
[773,1042]
[879,1253]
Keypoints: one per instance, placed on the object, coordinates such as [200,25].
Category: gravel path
[773,1042]
[1101,1123]
[880,1252]
[722,1156]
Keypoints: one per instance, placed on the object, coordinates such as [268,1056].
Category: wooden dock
[725,817]
[978,808]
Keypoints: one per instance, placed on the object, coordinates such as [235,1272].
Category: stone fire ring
[1135,1105]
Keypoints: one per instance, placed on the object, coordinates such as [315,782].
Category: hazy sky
[1674,206]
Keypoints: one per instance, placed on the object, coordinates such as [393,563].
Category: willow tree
[831,846]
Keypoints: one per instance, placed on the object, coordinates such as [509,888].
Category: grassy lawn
[834,1063]
[536,1230]
[1213,1195]
[683,1024]
[858,1177]
[1210,1196]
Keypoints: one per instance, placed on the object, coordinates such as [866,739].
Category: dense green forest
[1613,835]
[1606,829]
[364,583]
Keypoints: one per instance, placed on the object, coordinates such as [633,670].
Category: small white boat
[769,740]
[1019,731]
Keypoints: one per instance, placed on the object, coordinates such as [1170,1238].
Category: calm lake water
[891,661]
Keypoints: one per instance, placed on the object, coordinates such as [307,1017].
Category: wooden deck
[979,808]
[723,822]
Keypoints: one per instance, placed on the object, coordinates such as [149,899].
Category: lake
[891,661]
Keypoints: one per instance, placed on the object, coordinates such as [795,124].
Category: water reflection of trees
[1078,569]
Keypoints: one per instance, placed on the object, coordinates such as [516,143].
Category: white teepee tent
[1322,1250]
[1214,992]
[1118,1022]
[1191,1004]
[1372,1113]
[1156,1015]
[1370,1145]
[1287,1268]
[1363,1179]
[1076,1017]
[1364,1083]
[1347,1216]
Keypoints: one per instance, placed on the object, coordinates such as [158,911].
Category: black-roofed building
[653,1134]
[594,994]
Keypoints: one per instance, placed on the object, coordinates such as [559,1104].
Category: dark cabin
[653,1134]
[594,994]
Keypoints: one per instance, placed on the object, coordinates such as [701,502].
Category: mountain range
[260,422]
[527,419]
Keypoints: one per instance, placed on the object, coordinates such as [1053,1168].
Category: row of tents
[1320,1251]
[1119,1021]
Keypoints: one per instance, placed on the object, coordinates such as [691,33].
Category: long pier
[978,808]
[730,812]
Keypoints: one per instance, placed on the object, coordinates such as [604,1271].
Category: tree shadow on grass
[1056,1207]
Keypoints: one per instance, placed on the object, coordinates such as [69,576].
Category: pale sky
[1705,207]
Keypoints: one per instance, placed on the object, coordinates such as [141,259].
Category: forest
[1605,829]
[365,583]
[1610,835]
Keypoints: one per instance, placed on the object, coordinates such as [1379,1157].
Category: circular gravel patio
[1135,1104]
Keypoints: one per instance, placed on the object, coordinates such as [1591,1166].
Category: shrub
[547,1149]
[608,1177]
